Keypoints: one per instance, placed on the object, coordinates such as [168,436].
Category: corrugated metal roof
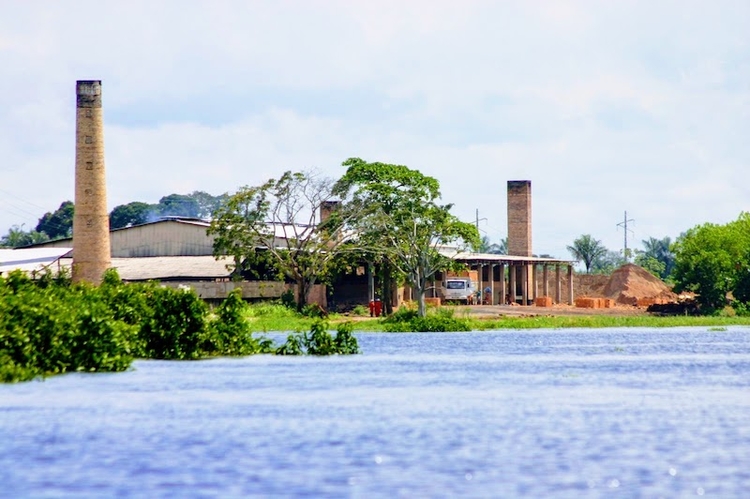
[174,267]
[30,259]
[466,256]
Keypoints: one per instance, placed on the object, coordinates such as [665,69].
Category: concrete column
[503,288]
[545,277]
[558,284]
[525,284]
[480,268]
[570,285]
[370,283]
[535,283]
[492,284]
[512,274]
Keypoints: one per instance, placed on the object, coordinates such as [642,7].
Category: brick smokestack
[519,217]
[91,248]
[326,209]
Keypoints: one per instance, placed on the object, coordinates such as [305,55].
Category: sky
[606,107]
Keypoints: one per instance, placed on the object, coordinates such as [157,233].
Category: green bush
[320,342]
[53,328]
[441,320]
[287,299]
[360,310]
[50,326]
[229,332]
[177,326]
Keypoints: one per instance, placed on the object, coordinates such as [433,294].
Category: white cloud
[605,106]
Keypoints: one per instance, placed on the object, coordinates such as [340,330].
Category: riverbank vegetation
[49,326]
[270,317]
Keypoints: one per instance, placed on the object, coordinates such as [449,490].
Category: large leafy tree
[586,249]
[197,204]
[281,218]
[404,223]
[178,205]
[59,223]
[206,203]
[127,215]
[713,260]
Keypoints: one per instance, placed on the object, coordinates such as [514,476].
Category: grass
[275,317]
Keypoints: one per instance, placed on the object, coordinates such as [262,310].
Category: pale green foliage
[281,216]
[17,237]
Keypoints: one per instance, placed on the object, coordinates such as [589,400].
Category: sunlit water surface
[550,413]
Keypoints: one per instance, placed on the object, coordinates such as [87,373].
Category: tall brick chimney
[326,209]
[91,248]
[519,217]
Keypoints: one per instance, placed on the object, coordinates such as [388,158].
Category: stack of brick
[543,301]
[586,302]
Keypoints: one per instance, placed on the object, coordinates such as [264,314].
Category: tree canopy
[586,249]
[17,237]
[487,246]
[656,257]
[713,260]
[403,222]
[282,217]
[59,223]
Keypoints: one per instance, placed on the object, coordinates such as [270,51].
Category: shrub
[360,310]
[229,332]
[287,299]
[177,326]
[439,321]
[320,342]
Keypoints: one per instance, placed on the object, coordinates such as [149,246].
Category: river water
[543,413]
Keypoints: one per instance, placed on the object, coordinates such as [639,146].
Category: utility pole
[477,223]
[479,219]
[624,225]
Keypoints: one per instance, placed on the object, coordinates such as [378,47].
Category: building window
[88,112]
[88,139]
[89,165]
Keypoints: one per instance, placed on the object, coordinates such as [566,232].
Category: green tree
[713,260]
[17,237]
[178,205]
[282,216]
[586,249]
[487,246]
[127,215]
[656,256]
[206,203]
[59,223]
[403,221]
[607,262]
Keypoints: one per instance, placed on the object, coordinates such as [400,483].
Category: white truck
[459,289]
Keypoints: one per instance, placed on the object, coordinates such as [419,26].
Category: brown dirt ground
[555,310]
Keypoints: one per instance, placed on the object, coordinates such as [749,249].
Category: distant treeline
[59,223]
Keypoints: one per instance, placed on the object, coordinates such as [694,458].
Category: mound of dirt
[633,285]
